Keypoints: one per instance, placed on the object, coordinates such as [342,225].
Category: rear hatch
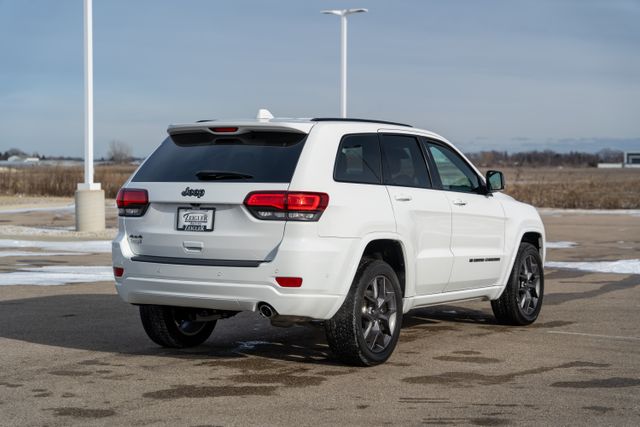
[197,181]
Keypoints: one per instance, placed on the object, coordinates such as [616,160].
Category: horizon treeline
[544,158]
[480,158]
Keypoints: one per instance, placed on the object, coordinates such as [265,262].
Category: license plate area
[195,219]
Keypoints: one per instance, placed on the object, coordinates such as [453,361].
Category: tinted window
[455,174]
[253,156]
[358,159]
[403,162]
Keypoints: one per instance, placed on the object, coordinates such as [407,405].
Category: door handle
[403,197]
[192,246]
[459,202]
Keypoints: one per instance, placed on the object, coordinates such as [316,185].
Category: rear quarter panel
[354,210]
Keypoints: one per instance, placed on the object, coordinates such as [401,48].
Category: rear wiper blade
[215,175]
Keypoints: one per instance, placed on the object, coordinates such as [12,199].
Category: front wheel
[521,300]
[174,327]
[365,330]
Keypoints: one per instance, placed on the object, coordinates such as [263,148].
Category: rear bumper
[321,262]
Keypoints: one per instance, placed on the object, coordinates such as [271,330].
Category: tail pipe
[266,310]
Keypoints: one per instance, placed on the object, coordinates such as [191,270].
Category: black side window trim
[425,159]
[335,162]
[426,141]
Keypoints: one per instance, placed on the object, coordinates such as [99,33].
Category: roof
[342,119]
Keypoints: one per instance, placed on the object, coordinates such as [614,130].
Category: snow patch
[86,246]
[553,211]
[623,266]
[68,231]
[69,208]
[30,254]
[561,245]
[20,230]
[56,275]
[250,345]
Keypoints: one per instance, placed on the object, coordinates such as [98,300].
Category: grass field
[575,188]
[60,180]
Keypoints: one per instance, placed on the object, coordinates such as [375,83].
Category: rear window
[202,156]
[358,159]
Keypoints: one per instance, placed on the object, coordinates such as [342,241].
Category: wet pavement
[76,354]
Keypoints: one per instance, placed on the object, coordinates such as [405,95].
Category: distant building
[632,159]
[610,165]
[22,159]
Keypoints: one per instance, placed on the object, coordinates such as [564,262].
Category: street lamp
[343,13]
[89,196]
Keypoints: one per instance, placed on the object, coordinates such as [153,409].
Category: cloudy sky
[510,75]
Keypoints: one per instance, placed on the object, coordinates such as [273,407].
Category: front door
[477,222]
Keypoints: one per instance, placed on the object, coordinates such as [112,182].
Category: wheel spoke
[374,340]
[369,298]
[384,323]
[523,301]
[382,293]
[388,323]
[367,330]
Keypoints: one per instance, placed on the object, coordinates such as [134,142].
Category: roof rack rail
[341,119]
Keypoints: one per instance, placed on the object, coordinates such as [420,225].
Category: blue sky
[510,75]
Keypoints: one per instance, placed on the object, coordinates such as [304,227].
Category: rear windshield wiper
[216,175]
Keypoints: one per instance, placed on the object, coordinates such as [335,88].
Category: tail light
[118,271]
[289,282]
[286,205]
[132,202]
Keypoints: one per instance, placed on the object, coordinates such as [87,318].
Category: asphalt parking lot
[75,354]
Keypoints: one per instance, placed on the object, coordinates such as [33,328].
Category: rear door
[197,181]
[423,215]
[478,221]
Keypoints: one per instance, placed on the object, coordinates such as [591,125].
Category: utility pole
[343,13]
[90,215]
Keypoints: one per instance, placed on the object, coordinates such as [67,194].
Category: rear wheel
[174,327]
[521,301]
[365,330]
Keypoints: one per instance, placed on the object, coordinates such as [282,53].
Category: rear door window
[358,159]
[203,156]
[404,163]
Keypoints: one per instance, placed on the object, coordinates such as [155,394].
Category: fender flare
[354,261]
[504,277]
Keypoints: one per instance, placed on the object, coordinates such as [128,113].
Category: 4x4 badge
[198,192]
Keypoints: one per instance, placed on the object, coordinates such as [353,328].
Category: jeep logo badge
[197,192]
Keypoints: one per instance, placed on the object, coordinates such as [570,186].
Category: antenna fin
[264,114]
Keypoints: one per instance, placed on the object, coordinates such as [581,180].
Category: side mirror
[495,181]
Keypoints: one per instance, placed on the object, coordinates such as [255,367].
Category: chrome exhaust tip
[266,310]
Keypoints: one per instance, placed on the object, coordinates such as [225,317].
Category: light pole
[343,13]
[89,196]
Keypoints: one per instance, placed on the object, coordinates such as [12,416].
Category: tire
[521,300]
[173,326]
[366,328]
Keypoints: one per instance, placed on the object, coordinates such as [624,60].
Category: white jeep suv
[353,222]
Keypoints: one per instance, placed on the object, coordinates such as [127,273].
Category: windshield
[249,157]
